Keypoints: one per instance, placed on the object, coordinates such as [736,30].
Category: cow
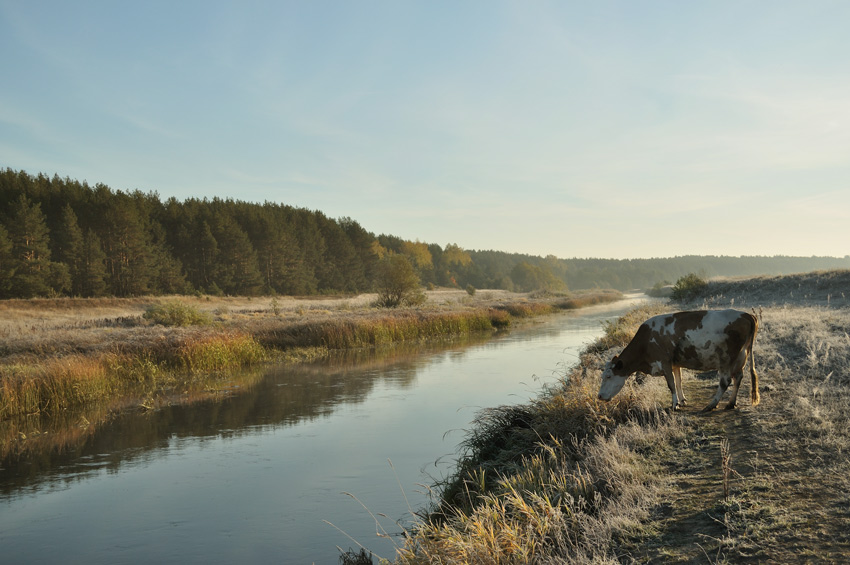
[700,340]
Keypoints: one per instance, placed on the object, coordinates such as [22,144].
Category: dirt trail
[781,507]
[691,522]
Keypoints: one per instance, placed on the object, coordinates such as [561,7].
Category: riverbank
[60,354]
[569,479]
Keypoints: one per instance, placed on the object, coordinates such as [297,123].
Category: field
[570,479]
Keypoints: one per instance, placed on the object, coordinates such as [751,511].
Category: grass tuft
[176,313]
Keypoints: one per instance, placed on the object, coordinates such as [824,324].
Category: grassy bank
[62,353]
[568,479]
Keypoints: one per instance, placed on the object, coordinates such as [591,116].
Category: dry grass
[820,288]
[49,327]
[558,480]
[561,481]
[567,480]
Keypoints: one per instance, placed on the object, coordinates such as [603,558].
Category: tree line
[62,237]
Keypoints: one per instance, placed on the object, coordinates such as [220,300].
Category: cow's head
[613,378]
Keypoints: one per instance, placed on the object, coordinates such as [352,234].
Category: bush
[397,283]
[176,313]
[688,287]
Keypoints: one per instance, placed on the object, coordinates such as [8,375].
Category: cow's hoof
[729,406]
[707,409]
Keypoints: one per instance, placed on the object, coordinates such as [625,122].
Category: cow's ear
[618,365]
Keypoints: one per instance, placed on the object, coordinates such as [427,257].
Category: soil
[781,508]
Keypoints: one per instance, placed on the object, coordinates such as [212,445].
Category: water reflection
[66,447]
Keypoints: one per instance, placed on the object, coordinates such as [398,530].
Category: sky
[616,129]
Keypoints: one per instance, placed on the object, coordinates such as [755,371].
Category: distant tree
[7,267]
[200,255]
[279,256]
[456,265]
[397,282]
[33,272]
[341,267]
[236,271]
[418,254]
[69,245]
[528,277]
[364,245]
[454,255]
[126,242]
[167,275]
[91,266]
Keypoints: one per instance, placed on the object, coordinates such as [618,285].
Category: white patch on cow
[714,325]
[611,384]
[657,369]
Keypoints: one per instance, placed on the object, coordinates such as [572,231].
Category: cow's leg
[724,384]
[737,377]
[736,382]
[677,374]
[671,384]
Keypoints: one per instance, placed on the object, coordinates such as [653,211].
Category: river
[305,459]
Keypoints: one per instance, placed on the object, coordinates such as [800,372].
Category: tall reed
[400,327]
[60,383]
[55,384]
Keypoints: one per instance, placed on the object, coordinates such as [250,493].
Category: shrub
[688,287]
[397,283]
[175,313]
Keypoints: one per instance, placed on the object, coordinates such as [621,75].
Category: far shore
[62,355]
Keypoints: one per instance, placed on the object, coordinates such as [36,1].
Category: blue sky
[580,129]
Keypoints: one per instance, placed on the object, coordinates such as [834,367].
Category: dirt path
[782,507]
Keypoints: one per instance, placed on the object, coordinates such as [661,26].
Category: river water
[305,459]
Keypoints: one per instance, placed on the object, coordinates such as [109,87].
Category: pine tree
[166,270]
[68,244]
[91,266]
[205,256]
[363,243]
[29,235]
[127,247]
[275,248]
[310,250]
[236,270]
[7,268]
[342,267]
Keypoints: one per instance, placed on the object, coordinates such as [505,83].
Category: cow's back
[700,340]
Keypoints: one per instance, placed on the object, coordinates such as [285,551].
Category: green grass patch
[176,313]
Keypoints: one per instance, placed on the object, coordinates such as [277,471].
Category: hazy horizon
[607,130]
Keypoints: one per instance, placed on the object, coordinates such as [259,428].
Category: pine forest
[62,237]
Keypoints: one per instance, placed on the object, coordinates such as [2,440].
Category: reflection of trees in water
[69,446]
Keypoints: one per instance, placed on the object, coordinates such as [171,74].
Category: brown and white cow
[702,340]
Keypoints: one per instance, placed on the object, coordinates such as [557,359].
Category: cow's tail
[754,383]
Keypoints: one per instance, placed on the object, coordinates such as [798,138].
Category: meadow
[567,478]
